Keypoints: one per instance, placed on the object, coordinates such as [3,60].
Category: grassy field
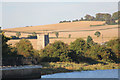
[57,67]
[76,29]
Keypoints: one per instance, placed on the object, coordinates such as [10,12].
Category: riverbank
[60,67]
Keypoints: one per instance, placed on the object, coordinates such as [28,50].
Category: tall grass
[57,67]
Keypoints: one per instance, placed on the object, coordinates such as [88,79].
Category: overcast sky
[60,0]
[20,14]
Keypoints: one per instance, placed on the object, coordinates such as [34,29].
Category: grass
[58,67]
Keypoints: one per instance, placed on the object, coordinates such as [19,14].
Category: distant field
[76,29]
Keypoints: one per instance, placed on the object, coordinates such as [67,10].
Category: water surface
[113,73]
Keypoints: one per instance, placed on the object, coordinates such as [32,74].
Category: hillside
[76,29]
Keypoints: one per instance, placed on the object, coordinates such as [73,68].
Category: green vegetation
[5,47]
[114,45]
[14,37]
[78,56]
[57,51]
[64,21]
[110,22]
[33,36]
[60,57]
[25,48]
[108,18]
[69,36]
[57,34]
[116,15]
[97,33]
[18,34]
[7,50]
[75,20]
[89,17]
[57,67]
[89,40]
[78,51]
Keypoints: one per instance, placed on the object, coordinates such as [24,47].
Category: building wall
[42,41]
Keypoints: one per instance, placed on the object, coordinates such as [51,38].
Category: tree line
[108,18]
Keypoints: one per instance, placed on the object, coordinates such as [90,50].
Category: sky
[60,0]
[21,14]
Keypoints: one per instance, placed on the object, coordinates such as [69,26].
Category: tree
[78,45]
[69,35]
[106,16]
[34,34]
[99,17]
[79,48]
[110,22]
[97,33]
[116,15]
[98,52]
[7,50]
[5,46]
[89,39]
[89,17]
[18,34]
[81,19]
[25,48]
[57,51]
[57,34]
[115,46]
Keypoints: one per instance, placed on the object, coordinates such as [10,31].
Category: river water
[113,73]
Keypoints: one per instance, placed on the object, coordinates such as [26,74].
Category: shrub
[89,40]
[98,52]
[97,33]
[7,51]
[110,22]
[114,45]
[57,34]
[34,34]
[69,35]
[25,48]
[78,47]
[18,34]
[57,51]
[5,46]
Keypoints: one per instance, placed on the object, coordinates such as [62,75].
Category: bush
[5,46]
[57,51]
[110,22]
[79,51]
[57,34]
[7,50]
[114,45]
[97,33]
[34,34]
[69,35]
[18,34]
[98,52]
[89,40]
[79,45]
[25,48]
[78,48]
